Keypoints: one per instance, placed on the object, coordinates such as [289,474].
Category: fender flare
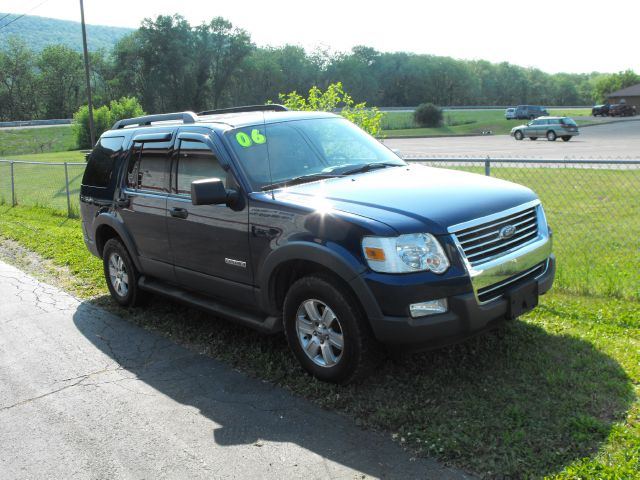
[331,256]
[112,221]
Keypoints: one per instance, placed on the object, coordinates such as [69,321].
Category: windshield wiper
[301,179]
[366,167]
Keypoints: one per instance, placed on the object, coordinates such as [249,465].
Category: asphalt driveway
[85,394]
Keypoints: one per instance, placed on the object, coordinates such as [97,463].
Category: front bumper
[465,317]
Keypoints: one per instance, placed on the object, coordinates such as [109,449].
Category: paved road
[609,141]
[85,394]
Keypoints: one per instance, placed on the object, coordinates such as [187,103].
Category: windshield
[277,154]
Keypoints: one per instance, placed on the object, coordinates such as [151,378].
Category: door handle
[264,232]
[179,212]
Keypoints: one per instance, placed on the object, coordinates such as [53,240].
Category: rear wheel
[326,331]
[566,138]
[518,135]
[120,274]
[551,136]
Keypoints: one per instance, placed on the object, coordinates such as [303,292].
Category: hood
[412,198]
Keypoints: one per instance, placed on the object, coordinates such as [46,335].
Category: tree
[332,99]
[61,81]
[18,98]
[609,84]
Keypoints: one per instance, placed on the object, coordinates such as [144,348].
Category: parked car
[602,110]
[622,110]
[301,222]
[530,111]
[510,113]
[549,127]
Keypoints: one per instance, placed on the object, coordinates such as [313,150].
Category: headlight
[413,252]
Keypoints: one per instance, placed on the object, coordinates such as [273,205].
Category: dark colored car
[302,222]
[548,127]
[530,112]
[622,110]
[602,110]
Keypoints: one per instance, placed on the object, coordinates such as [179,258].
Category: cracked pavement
[85,394]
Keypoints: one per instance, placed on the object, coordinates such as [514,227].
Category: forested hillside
[38,32]
[170,65]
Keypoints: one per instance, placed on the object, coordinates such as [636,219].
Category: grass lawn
[556,393]
[464,122]
[36,140]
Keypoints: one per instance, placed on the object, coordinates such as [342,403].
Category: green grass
[463,122]
[555,394]
[36,140]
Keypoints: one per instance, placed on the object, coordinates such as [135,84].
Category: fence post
[13,188]
[66,182]
[487,167]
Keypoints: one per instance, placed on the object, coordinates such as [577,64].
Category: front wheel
[326,331]
[566,138]
[551,136]
[518,135]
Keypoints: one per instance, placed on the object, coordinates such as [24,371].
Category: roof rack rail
[186,117]
[272,107]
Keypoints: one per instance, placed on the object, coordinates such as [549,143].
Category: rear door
[146,191]
[210,243]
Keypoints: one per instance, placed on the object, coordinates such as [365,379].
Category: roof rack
[272,107]
[186,117]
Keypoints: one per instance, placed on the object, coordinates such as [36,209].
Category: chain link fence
[52,185]
[593,207]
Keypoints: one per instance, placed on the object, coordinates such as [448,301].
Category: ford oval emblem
[506,232]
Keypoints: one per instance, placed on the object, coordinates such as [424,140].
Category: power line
[19,17]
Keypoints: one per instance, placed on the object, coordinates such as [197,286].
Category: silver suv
[550,127]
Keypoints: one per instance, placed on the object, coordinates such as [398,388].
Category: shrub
[103,118]
[428,115]
[332,99]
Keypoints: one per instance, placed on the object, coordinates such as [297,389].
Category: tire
[121,274]
[533,138]
[551,136]
[518,135]
[566,138]
[327,332]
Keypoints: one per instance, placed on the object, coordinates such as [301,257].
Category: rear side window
[99,171]
[149,167]
[568,121]
[196,161]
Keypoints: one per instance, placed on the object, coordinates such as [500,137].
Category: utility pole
[92,130]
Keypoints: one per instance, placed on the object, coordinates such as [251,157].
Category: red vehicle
[622,110]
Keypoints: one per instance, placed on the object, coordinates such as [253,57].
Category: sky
[555,36]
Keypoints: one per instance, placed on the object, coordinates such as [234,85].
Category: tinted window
[99,169]
[148,168]
[568,121]
[196,161]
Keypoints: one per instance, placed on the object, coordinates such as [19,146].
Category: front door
[210,243]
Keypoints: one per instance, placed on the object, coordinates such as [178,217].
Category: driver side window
[196,161]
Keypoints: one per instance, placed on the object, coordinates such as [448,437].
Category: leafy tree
[18,99]
[61,81]
[611,83]
[332,99]
[103,118]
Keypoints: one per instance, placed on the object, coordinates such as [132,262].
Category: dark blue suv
[302,222]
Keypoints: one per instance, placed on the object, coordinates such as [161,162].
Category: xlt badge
[235,263]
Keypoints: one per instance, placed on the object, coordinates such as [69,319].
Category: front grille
[484,242]
[497,289]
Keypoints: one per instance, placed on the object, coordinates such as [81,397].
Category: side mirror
[211,191]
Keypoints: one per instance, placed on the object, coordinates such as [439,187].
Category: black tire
[566,138]
[533,138]
[518,135]
[121,274]
[341,345]
[551,136]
